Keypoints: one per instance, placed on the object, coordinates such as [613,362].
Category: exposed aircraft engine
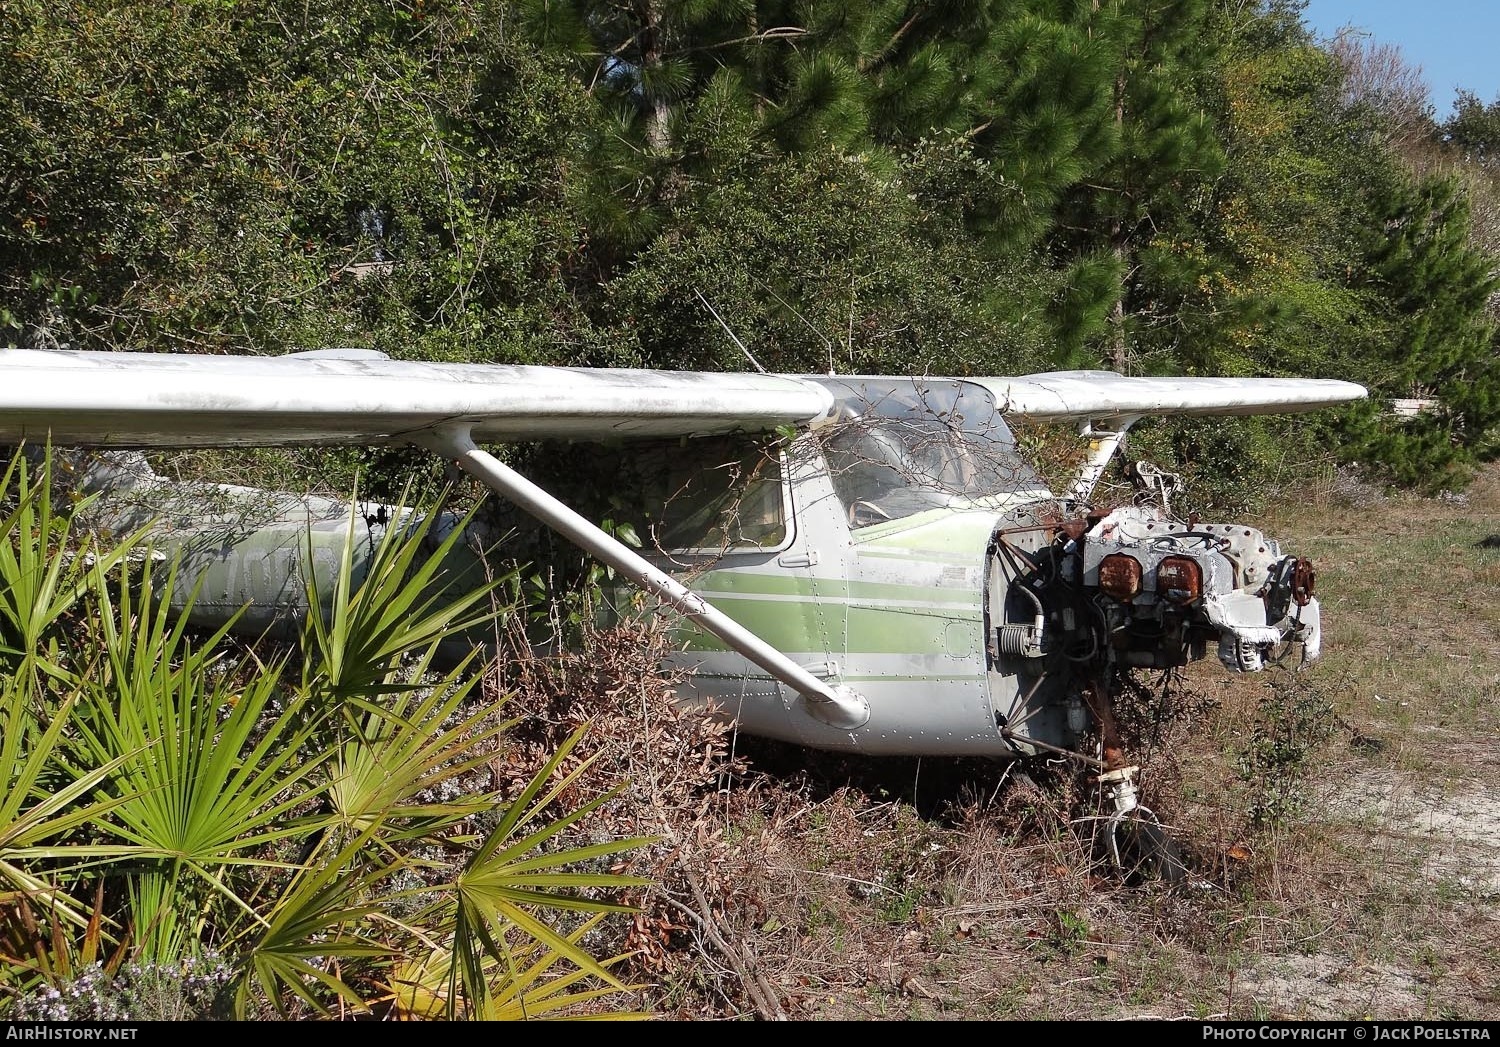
[1164,588]
[1136,588]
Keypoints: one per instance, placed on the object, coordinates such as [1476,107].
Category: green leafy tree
[1474,129]
[1328,257]
[1271,284]
[250,177]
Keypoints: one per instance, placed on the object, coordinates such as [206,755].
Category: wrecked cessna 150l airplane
[866,564]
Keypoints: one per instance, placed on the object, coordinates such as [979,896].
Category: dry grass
[1350,872]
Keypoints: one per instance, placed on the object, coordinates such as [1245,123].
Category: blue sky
[1456,42]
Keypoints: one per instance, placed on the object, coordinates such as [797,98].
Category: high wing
[1106,396]
[1120,401]
[362,397]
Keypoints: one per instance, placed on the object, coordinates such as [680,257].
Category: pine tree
[1123,220]
[1474,129]
[1436,287]
[983,113]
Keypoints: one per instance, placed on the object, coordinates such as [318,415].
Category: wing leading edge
[359,397]
[344,397]
[1105,395]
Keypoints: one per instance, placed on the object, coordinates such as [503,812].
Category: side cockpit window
[708,494]
[716,494]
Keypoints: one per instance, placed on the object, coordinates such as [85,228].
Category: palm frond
[389,755]
[405,603]
[526,985]
[494,899]
[318,921]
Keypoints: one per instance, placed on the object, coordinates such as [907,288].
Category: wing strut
[1102,447]
[838,706]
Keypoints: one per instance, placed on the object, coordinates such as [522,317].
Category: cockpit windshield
[903,446]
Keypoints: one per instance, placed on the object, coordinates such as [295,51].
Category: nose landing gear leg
[1139,846]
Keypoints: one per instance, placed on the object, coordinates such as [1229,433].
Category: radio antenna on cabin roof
[819,335]
[732,337]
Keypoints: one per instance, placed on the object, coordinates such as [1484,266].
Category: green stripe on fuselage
[717,585]
[853,628]
[804,612]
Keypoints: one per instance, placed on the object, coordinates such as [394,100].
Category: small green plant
[1070,931]
[898,907]
[821,917]
[1295,721]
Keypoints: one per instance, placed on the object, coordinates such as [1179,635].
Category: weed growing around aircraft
[819,886]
